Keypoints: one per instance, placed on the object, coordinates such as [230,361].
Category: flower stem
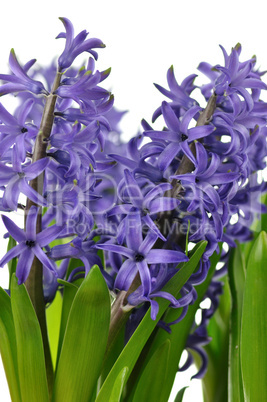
[34,283]
[119,315]
[120,311]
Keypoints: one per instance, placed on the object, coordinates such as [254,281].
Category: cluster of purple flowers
[138,203]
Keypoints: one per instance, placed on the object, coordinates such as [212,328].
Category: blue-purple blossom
[139,253]
[15,179]
[79,144]
[17,131]
[179,94]
[30,244]
[178,135]
[76,45]
[19,81]
[84,89]
[149,204]
[208,172]
[78,249]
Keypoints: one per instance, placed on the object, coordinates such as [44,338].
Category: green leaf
[53,316]
[30,352]
[8,346]
[117,388]
[215,381]
[132,350]
[84,342]
[68,297]
[69,292]
[149,387]
[254,324]
[179,397]
[12,264]
[236,275]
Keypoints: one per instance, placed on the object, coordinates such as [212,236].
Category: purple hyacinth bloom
[19,81]
[30,244]
[140,253]
[77,248]
[179,94]
[76,46]
[70,203]
[234,77]
[78,143]
[237,76]
[149,204]
[16,131]
[84,89]
[91,111]
[212,74]
[178,135]
[206,175]
[16,181]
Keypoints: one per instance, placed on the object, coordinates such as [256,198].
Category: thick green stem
[120,312]
[34,283]
[119,315]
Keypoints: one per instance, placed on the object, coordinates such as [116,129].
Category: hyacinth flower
[179,94]
[15,179]
[237,77]
[76,143]
[178,135]
[141,166]
[79,249]
[139,254]
[76,46]
[202,179]
[70,204]
[84,89]
[19,81]
[86,114]
[149,204]
[30,244]
[16,130]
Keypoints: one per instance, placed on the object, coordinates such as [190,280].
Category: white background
[143,39]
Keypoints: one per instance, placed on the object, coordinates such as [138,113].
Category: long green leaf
[53,316]
[69,292]
[8,346]
[150,385]
[132,350]
[117,388]
[254,324]
[236,275]
[215,381]
[258,225]
[84,342]
[30,352]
